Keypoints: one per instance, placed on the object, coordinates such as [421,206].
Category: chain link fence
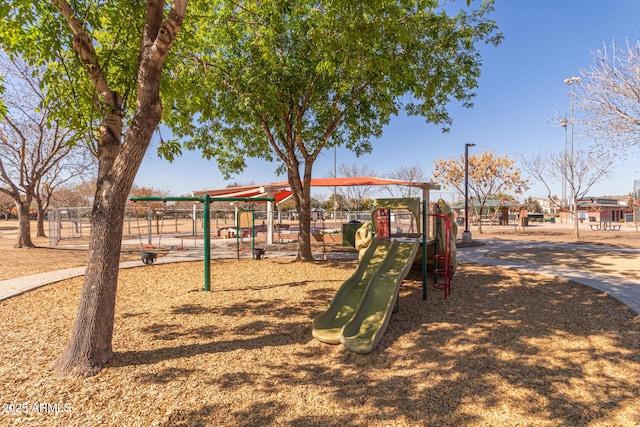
[144,225]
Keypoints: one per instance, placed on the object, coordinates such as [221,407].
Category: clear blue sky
[521,90]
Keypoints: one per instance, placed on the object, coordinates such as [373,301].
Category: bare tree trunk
[304,210]
[576,229]
[24,224]
[41,215]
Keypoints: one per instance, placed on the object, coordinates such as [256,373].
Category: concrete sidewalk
[221,250]
[624,290]
[12,287]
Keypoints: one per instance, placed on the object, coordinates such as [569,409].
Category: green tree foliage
[109,31]
[282,81]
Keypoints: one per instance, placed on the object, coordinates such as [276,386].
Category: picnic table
[606,224]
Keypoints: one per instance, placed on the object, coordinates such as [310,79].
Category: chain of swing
[149,252]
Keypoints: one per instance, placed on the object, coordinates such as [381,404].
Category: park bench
[606,225]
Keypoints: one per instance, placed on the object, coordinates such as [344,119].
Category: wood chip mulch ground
[507,348]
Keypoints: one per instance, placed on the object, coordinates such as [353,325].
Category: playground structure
[275,192]
[445,257]
[361,310]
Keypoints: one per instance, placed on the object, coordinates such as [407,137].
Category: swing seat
[148,257]
[258,253]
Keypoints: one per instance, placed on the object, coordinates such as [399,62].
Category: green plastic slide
[327,326]
[360,311]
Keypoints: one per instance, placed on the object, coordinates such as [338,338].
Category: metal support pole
[424,250]
[270,220]
[207,243]
[572,196]
[149,220]
[237,233]
[335,203]
[466,236]
[253,231]
[564,123]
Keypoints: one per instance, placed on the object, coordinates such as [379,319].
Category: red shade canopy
[281,190]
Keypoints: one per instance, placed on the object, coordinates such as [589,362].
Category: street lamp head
[470,145]
[572,80]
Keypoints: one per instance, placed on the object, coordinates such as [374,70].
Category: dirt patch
[614,263]
[627,237]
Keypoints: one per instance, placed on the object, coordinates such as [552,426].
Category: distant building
[494,211]
[549,208]
[598,209]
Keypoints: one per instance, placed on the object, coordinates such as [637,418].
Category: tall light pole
[564,123]
[466,235]
[570,81]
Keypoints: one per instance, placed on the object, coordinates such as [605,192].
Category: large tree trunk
[90,346]
[301,190]
[24,224]
[304,211]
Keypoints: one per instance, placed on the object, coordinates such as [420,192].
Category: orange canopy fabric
[281,189]
[364,180]
[280,194]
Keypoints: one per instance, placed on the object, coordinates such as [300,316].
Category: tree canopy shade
[274,80]
[282,81]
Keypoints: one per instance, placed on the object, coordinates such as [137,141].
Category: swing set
[148,251]
[149,255]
